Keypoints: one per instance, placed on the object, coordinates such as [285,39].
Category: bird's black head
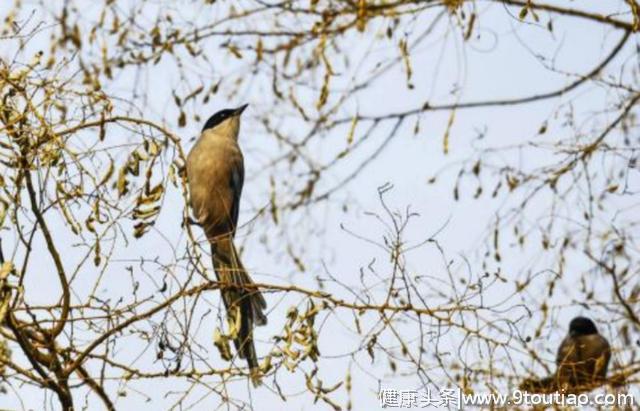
[582,326]
[223,115]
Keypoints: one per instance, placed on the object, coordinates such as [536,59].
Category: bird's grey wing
[236,181]
[597,349]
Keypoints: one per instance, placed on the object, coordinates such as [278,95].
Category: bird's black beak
[239,110]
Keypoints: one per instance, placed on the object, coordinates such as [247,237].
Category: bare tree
[106,289]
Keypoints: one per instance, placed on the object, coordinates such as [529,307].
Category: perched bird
[581,361]
[583,356]
[215,172]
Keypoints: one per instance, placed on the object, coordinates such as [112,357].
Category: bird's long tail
[240,297]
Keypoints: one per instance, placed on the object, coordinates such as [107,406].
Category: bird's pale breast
[210,166]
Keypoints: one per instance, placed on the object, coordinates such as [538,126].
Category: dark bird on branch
[215,172]
[581,362]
